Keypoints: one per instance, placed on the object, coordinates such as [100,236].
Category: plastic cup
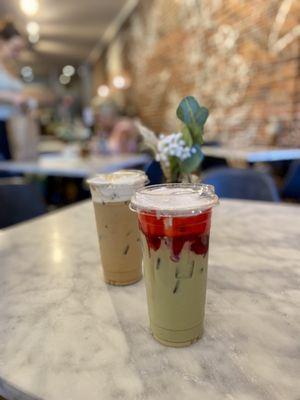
[117,226]
[174,220]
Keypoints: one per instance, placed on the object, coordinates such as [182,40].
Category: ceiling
[69,30]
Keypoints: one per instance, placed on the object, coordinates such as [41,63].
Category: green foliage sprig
[180,153]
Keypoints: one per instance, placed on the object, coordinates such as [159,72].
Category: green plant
[180,153]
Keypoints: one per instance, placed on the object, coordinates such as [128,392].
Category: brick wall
[240,58]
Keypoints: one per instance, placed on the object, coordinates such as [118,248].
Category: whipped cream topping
[117,186]
[174,199]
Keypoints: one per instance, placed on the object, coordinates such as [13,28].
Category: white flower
[160,146]
[172,146]
[178,152]
[193,150]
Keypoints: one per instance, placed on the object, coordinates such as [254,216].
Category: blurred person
[124,137]
[65,109]
[106,116]
[88,117]
[11,88]
[115,134]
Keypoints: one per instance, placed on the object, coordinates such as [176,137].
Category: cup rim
[206,192]
[139,174]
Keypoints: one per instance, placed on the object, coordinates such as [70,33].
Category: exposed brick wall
[240,58]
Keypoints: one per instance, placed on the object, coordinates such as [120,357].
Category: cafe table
[252,154]
[50,145]
[74,166]
[64,334]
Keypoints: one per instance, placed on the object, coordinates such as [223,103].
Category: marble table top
[64,334]
[57,165]
[252,154]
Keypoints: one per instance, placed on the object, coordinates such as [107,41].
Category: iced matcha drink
[117,226]
[174,221]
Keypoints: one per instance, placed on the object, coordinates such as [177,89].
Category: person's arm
[11,97]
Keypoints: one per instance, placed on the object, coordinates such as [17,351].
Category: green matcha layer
[175,293]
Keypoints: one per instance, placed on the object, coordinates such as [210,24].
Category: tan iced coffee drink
[117,226]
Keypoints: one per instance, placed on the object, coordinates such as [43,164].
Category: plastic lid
[174,199]
[116,186]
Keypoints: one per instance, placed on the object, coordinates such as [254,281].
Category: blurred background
[75,76]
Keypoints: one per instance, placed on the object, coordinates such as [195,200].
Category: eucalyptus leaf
[191,112]
[187,137]
[175,169]
[197,133]
[192,163]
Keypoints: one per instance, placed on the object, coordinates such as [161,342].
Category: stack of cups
[117,226]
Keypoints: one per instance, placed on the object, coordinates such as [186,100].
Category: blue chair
[210,162]
[212,143]
[19,202]
[213,162]
[291,186]
[154,172]
[247,184]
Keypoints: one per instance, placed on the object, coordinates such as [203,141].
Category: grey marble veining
[64,334]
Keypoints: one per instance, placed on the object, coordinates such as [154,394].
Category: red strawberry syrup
[176,231]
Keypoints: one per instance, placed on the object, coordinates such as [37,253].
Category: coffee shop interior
[100,100]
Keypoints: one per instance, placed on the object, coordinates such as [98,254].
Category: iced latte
[175,223]
[117,225]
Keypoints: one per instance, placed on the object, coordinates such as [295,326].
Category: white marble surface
[253,154]
[58,165]
[64,334]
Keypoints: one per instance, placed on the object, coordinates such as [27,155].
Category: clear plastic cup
[117,226]
[174,220]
